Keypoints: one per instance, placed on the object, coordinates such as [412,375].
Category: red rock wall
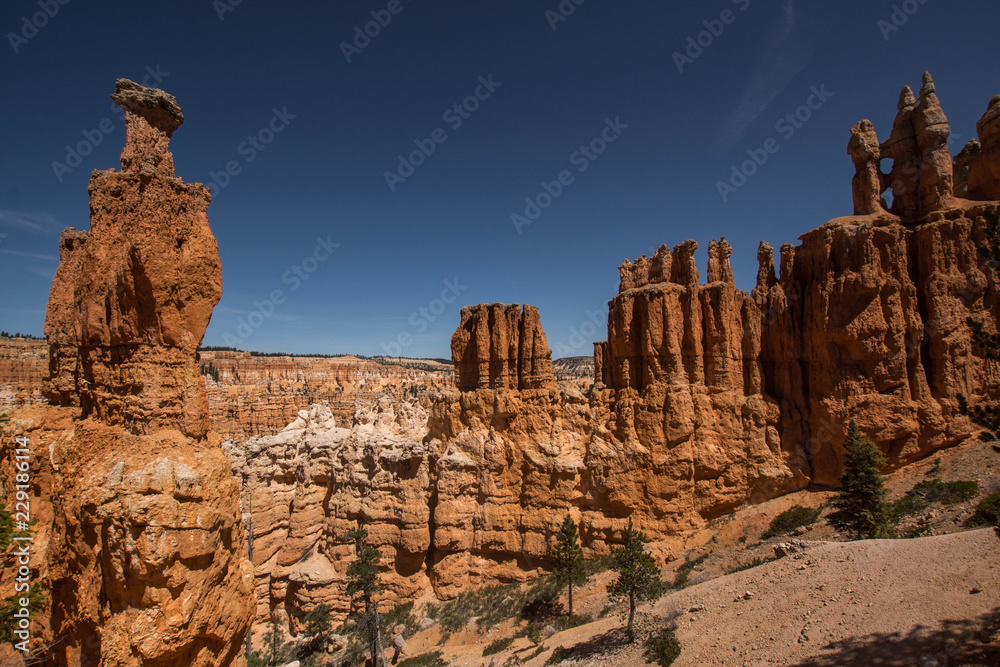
[870,324]
[499,346]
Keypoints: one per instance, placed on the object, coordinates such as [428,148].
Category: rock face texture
[23,366]
[688,417]
[260,395]
[869,322]
[500,346]
[307,485]
[139,544]
[977,167]
[132,298]
[139,547]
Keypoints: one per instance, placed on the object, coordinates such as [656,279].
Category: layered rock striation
[305,487]
[23,366]
[688,419]
[252,395]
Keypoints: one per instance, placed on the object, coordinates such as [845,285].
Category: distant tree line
[209,370]
[5,334]
[254,353]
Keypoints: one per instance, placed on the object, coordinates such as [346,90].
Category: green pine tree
[638,576]
[317,628]
[362,579]
[6,527]
[9,606]
[273,653]
[861,507]
[568,567]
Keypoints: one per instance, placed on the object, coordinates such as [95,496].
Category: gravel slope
[917,602]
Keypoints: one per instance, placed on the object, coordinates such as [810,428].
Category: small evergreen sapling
[861,507]
[362,578]
[568,566]
[638,576]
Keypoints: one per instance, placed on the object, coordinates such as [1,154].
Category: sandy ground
[925,602]
[877,602]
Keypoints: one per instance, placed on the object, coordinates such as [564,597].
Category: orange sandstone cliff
[139,547]
[705,397]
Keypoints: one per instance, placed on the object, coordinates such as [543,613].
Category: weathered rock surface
[977,166]
[260,395]
[138,546]
[869,322]
[23,366]
[306,486]
[132,298]
[688,419]
[501,346]
[139,543]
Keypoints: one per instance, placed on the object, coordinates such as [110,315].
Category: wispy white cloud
[786,53]
[29,255]
[33,223]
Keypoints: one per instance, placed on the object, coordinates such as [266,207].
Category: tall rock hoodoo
[921,178]
[132,298]
[139,545]
[510,449]
[867,185]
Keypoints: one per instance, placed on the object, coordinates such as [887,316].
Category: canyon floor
[928,600]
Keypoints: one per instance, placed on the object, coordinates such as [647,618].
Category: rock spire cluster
[921,178]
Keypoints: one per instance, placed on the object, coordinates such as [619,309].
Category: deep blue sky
[323,174]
